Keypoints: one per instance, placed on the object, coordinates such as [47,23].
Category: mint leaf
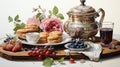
[61,60]
[60,16]
[18,26]
[55,10]
[48,62]
[38,15]
[16,18]
[10,19]
[50,12]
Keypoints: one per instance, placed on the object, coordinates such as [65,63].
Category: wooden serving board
[23,55]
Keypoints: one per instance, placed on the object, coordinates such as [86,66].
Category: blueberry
[32,49]
[5,41]
[76,44]
[26,49]
[80,44]
[81,40]
[73,41]
[71,46]
[52,47]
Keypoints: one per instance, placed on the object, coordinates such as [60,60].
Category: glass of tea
[106,33]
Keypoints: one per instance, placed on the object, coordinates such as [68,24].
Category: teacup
[32,37]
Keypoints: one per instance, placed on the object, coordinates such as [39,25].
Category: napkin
[93,52]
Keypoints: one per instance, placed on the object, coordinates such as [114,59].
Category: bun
[43,37]
[56,33]
[55,37]
[28,28]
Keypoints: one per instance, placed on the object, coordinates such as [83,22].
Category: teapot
[81,21]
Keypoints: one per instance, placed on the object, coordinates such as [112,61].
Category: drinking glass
[106,33]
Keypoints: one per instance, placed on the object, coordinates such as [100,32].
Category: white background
[24,9]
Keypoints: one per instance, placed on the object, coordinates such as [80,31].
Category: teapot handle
[103,15]
[66,26]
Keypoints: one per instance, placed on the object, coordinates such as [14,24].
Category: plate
[78,49]
[66,39]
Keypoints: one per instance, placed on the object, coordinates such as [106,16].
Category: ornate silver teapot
[81,22]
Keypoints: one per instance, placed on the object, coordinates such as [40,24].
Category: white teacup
[32,37]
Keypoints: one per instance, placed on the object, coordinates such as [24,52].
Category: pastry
[56,33]
[43,37]
[54,39]
[21,33]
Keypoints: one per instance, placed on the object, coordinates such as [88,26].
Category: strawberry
[4,46]
[17,47]
[10,47]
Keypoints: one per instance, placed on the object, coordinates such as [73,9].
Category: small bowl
[32,37]
[78,49]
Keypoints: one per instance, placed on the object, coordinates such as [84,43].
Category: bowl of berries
[78,44]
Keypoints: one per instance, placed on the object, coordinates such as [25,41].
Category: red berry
[10,47]
[50,50]
[47,54]
[72,60]
[44,51]
[40,57]
[46,47]
[37,52]
[41,53]
[4,46]
[36,48]
[17,47]
[34,53]
[53,54]
[30,53]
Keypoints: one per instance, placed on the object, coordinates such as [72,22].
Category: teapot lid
[82,9]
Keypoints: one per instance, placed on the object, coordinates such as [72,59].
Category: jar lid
[82,10]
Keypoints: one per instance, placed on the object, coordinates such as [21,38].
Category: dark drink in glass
[106,33]
[106,36]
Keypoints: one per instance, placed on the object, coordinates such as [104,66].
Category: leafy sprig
[55,12]
[48,62]
[17,23]
[40,13]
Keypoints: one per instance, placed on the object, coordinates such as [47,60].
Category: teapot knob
[83,2]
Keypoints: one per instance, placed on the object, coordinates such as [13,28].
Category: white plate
[78,49]
[66,39]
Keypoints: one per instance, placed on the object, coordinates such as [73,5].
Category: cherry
[46,47]
[36,48]
[34,53]
[72,60]
[53,54]
[30,53]
[50,50]
[37,52]
[40,57]
[41,53]
[47,54]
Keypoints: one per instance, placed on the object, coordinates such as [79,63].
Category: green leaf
[61,60]
[60,16]
[18,26]
[55,10]
[10,19]
[50,12]
[48,62]
[16,18]
[38,15]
